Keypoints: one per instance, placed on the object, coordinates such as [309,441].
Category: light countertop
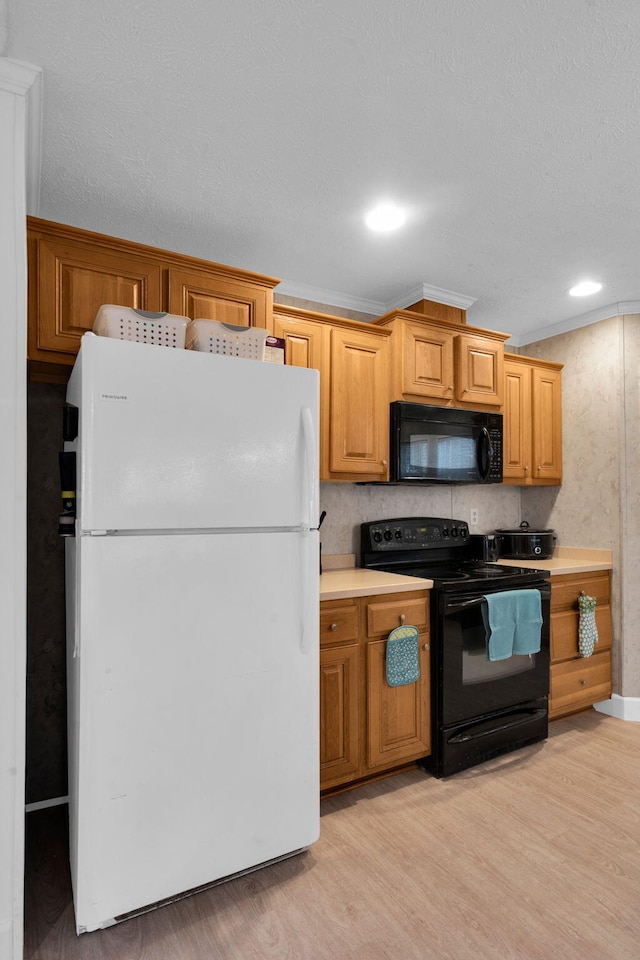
[567,560]
[341,578]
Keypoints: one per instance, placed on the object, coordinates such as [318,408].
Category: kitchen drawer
[384,615]
[564,633]
[339,622]
[579,683]
[565,593]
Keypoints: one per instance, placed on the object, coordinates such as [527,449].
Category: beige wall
[598,504]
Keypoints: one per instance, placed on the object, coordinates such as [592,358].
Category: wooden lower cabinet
[367,727]
[578,682]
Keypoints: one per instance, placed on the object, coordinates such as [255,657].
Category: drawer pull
[583,682]
[334,626]
[402,618]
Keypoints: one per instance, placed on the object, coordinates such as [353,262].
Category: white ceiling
[257,133]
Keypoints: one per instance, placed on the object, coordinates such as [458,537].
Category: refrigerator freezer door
[174,439]
[194,739]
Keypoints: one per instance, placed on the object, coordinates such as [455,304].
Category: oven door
[468,684]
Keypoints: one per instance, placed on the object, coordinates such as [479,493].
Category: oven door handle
[519,721]
[455,606]
[452,605]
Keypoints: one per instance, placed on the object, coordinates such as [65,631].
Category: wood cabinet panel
[567,589]
[398,718]
[479,370]
[532,448]
[577,684]
[72,282]
[427,362]
[564,633]
[359,405]
[383,617]
[517,421]
[339,714]
[339,622]
[203,296]
[576,681]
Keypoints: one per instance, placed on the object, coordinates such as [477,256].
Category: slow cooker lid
[524,529]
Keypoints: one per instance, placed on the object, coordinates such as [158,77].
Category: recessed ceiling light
[585,289]
[385,217]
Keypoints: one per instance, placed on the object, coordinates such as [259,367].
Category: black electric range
[437,549]
[479,708]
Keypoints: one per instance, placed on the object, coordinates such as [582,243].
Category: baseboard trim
[625,708]
[43,804]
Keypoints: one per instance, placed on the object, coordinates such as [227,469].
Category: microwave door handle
[484,453]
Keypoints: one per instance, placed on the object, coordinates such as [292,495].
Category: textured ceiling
[257,132]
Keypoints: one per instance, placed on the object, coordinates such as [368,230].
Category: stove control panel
[413,533]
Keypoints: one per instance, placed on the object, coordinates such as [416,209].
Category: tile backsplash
[349,504]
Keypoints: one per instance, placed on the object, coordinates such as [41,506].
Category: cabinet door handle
[384,463]
[526,471]
[426,646]
[402,618]
[333,627]
[450,389]
[583,682]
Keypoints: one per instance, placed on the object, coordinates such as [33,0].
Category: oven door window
[477,668]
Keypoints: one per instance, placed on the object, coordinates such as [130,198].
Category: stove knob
[388,535]
[464,531]
[445,531]
[377,536]
[454,531]
[398,534]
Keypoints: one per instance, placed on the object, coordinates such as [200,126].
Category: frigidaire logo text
[114,396]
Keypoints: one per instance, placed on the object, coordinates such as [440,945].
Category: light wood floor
[533,856]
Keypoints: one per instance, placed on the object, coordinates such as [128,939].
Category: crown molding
[424,291]
[619,309]
[332,298]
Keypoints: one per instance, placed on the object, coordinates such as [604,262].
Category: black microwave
[445,445]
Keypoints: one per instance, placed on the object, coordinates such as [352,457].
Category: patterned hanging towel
[403,658]
[587,630]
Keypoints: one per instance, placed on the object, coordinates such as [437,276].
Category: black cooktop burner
[436,549]
[470,573]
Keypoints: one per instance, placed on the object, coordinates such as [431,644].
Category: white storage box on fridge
[127,323]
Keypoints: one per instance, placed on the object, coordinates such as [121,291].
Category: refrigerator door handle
[306,634]
[309,493]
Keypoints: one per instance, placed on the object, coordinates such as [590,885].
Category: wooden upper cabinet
[532,448]
[479,370]
[517,421]
[200,295]
[69,282]
[427,361]
[72,272]
[359,405]
[436,361]
[547,423]
[306,340]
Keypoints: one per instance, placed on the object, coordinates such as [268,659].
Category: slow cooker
[525,543]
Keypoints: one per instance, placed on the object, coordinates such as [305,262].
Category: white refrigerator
[192,622]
